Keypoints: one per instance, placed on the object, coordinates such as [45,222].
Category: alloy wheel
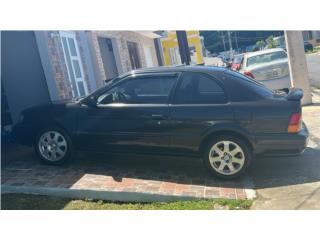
[226,157]
[52,146]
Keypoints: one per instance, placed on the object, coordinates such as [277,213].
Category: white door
[148,56]
[74,64]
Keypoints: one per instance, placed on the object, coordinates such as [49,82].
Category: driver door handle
[158,117]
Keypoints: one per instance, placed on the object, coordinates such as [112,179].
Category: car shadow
[270,172]
[263,173]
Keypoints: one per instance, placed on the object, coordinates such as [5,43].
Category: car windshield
[237,59]
[265,58]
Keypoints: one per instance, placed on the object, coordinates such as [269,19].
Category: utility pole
[183,47]
[223,42]
[298,64]
[230,43]
[235,35]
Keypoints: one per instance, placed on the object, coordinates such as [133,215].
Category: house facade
[117,52]
[39,67]
[170,47]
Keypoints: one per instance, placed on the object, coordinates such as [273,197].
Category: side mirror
[286,90]
[91,102]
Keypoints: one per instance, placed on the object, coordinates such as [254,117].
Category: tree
[260,45]
[270,42]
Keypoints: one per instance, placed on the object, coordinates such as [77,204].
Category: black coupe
[218,114]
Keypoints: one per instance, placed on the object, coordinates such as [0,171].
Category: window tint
[250,83]
[141,90]
[197,88]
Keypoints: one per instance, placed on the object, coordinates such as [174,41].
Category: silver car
[269,67]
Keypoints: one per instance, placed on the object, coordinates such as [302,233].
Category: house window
[134,55]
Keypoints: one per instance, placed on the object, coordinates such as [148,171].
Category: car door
[199,105]
[136,120]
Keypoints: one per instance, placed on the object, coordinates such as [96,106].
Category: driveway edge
[95,194]
[249,189]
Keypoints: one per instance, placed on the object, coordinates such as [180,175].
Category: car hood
[52,105]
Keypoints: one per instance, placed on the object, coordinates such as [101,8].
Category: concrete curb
[249,189]
[94,194]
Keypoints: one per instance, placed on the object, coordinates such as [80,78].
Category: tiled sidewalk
[114,177]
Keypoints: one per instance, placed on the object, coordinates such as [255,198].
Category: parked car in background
[307,46]
[237,60]
[210,112]
[270,67]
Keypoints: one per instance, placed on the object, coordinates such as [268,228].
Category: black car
[218,114]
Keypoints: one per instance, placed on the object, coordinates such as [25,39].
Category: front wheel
[227,157]
[53,146]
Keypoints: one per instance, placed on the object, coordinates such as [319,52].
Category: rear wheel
[227,157]
[53,146]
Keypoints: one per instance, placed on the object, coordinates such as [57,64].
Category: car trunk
[275,117]
[272,70]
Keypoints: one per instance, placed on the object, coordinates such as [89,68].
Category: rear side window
[257,87]
[198,88]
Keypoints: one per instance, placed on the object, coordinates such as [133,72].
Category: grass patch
[39,202]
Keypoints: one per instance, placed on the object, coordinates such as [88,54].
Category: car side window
[198,88]
[144,90]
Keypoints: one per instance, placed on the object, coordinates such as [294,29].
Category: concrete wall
[313,62]
[297,64]
[22,73]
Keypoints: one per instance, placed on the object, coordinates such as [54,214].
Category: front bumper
[282,144]
[24,134]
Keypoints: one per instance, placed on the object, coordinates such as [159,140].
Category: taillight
[295,123]
[249,74]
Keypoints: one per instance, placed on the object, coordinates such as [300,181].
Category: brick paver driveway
[120,178]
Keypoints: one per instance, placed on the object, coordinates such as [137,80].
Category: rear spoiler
[294,94]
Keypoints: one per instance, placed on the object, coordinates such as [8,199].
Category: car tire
[227,156]
[53,146]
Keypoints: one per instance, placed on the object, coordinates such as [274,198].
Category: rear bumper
[282,144]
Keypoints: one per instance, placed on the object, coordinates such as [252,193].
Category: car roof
[180,68]
[251,54]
